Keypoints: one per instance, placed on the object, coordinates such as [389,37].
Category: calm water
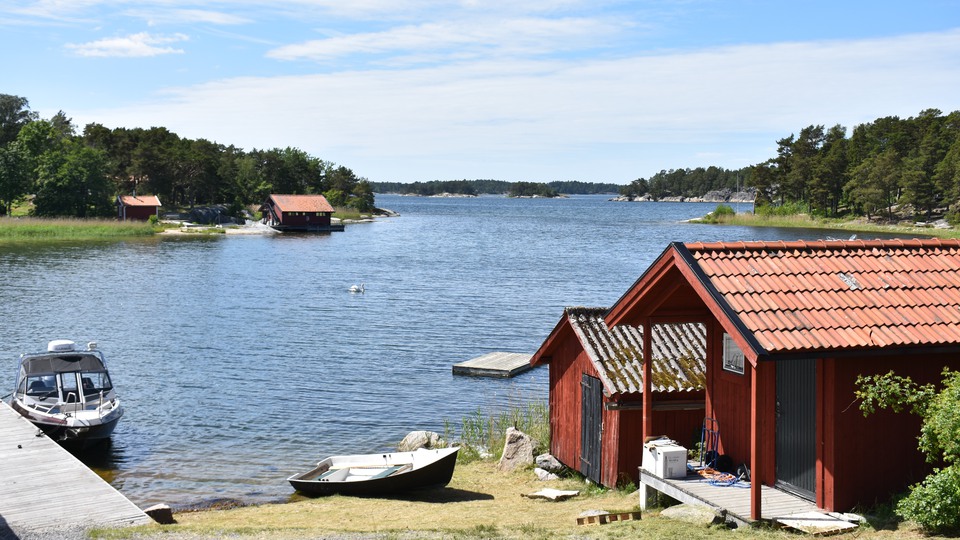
[243,359]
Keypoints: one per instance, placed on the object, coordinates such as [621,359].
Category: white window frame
[733,359]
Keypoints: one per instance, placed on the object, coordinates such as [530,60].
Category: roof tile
[807,296]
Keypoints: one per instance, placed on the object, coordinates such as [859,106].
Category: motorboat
[66,392]
[378,474]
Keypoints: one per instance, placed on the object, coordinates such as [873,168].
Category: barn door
[590,428]
[797,427]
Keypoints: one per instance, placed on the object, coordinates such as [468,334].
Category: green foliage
[530,189]
[719,214]
[480,431]
[153,220]
[934,504]
[781,210]
[42,229]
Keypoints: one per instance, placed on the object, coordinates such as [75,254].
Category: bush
[785,209]
[934,504]
[720,213]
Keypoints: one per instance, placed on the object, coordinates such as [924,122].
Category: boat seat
[387,472]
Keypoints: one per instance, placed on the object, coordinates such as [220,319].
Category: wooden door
[797,427]
[590,427]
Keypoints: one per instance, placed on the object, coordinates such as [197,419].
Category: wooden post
[647,384]
[756,472]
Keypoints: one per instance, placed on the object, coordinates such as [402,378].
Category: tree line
[80,175]
[495,187]
[884,168]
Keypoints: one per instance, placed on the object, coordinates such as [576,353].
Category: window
[732,355]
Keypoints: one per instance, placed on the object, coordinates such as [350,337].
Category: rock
[696,515]
[549,463]
[420,439]
[517,451]
[550,494]
[161,513]
[545,475]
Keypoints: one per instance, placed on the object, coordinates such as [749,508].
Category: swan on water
[357,288]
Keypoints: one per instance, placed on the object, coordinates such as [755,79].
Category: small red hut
[596,387]
[138,207]
[299,213]
[789,327]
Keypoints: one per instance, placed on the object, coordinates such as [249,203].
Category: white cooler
[665,458]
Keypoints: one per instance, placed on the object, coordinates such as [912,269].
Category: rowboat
[378,474]
[66,392]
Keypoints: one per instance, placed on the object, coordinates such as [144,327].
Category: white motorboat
[66,392]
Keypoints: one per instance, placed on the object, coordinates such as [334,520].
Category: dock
[731,502]
[47,489]
[495,364]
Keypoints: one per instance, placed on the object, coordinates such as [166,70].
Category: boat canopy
[54,364]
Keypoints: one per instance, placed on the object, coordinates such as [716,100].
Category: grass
[479,503]
[805,221]
[40,229]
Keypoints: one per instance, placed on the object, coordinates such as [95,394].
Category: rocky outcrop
[420,439]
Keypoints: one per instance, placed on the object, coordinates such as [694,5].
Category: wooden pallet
[603,519]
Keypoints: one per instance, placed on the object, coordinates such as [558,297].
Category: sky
[532,90]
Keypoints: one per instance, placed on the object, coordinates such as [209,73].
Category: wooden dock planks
[45,487]
[495,364]
[733,501]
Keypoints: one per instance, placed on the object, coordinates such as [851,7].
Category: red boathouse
[138,207]
[788,328]
[299,213]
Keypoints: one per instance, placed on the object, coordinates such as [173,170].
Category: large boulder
[517,451]
[420,439]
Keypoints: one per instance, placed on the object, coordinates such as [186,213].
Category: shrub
[934,503]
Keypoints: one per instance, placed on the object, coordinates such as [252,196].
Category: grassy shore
[804,221]
[24,229]
[479,503]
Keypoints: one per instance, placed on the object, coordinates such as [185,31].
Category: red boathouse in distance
[299,213]
[138,207]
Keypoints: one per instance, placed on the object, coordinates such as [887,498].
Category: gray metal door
[590,428]
[797,427]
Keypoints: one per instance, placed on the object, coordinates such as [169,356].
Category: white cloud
[456,39]
[191,16]
[476,116]
[134,45]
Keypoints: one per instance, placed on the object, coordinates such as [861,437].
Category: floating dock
[495,364]
[47,489]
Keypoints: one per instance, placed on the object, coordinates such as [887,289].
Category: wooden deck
[495,364]
[46,488]
[733,501]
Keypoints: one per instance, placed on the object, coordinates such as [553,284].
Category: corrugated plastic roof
[806,296]
[302,203]
[679,352]
[140,200]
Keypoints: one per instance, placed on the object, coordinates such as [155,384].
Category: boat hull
[74,435]
[432,475]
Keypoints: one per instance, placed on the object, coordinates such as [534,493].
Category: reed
[483,433]
[46,229]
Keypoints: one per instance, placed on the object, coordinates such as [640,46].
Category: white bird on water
[357,288]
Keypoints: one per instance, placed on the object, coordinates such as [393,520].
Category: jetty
[495,364]
[47,489]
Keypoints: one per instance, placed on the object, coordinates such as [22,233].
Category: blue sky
[538,90]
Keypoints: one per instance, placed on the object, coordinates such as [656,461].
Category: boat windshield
[95,382]
[39,386]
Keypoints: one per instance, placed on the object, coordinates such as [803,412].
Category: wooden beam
[756,480]
[647,380]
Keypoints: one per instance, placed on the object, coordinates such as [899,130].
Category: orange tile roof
[140,200]
[302,203]
[837,295]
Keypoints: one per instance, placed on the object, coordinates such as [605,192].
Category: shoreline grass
[805,221]
[29,229]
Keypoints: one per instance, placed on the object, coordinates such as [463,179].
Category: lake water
[243,359]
